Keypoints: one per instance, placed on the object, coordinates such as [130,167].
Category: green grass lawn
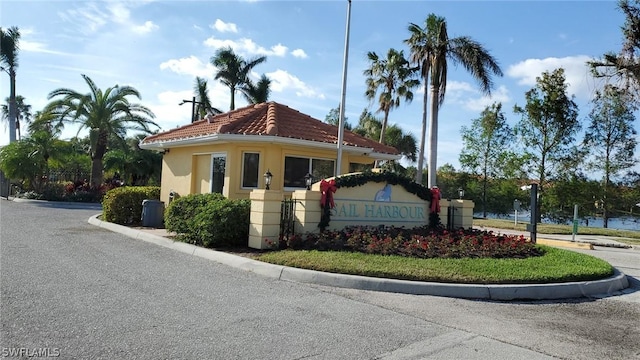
[626,236]
[556,265]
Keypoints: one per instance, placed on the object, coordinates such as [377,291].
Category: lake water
[623,223]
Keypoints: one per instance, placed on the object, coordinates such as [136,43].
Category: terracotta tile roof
[267,119]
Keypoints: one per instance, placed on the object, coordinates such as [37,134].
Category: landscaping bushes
[123,205]
[422,242]
[209,220]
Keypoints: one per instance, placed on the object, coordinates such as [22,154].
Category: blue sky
[159,47]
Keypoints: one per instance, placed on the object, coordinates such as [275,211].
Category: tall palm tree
[9,47]
[203,102]
[23,112]
[233,70]
[105,114]
[394,78]
[431,48]
[259,92]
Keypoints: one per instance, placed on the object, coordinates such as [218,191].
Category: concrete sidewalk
[590,289]
[580,241]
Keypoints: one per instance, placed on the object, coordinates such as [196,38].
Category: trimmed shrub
[181,212]
[123,205]
[209,220]
[223,223]
[54,191]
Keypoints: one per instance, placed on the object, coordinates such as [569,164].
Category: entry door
[218,166]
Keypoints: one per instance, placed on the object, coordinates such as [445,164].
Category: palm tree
[9,47]
[431,48]
[233,70]
[257,93]
[394,78]
[203,103]
[370,127]
[105,114]
[23,112]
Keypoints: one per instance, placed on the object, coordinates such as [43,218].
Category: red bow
[435,200]
[328,188]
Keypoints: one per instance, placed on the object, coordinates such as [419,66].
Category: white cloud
[146,28]
[191,66]
[168,113]
[299,53]
[88,18]
[500,95]
[119,12]
[246,46]
[577,74]
[34,46]
[469,97]
[221,26]
[282,80]
[93,16]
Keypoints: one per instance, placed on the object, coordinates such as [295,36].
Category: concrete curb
[555,291]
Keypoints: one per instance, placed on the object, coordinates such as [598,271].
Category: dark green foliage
[387,177]
[183,210]
[209,220]
[123,205]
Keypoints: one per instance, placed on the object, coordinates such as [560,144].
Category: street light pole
[193,107]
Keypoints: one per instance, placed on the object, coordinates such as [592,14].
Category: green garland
[380,177]
[391,178]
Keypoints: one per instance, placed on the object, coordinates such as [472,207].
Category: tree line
[543,146]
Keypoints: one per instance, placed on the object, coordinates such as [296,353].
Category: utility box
[152,213]
[4,186]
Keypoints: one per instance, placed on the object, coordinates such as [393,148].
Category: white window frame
[211,168]
[242,171]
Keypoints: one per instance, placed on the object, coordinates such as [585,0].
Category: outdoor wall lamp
[267,179]
[307,180]
[461,193]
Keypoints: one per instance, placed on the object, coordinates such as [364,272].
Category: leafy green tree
[611,139]
[233,70]
[203,102]
[333,118]
[23,112]
[568,191]
[431,49]
[105,113]
[393,78]
[133,165]
[19,162]
[486,147]
[371,127]
[548,126]
[625,65]
[9,48]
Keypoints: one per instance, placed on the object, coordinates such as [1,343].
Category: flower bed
[419,242]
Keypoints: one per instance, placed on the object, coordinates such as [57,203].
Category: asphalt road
[82,292]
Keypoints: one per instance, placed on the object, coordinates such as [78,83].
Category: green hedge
[123,205]
[209,220]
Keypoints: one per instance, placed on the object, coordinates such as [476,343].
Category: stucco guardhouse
[229,153]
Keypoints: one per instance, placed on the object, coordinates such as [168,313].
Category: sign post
[575,222]
[516,208]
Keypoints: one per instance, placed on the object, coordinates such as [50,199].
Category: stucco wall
[187,170]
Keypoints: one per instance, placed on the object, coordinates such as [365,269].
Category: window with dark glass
[218,164]
[250,166]
[295,169]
